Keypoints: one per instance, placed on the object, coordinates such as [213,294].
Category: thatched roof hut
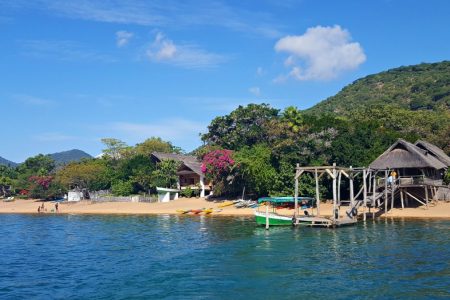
[188,161]
[435,151]
[404,155]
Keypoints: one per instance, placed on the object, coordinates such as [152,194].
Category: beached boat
[272,203]
[226,203]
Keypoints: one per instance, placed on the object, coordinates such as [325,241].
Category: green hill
[413,101]
[417,87]
[69,156]
[8,163]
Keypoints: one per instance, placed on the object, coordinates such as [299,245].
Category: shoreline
[439,211]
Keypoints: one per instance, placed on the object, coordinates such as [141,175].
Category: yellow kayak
[226,203]
[183,211]
[207,211]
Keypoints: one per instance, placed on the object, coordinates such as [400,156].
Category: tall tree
[246,125]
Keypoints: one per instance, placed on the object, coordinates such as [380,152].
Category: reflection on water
[167,256]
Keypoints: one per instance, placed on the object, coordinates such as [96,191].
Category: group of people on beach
[42,209]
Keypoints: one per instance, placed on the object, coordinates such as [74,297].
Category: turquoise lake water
[176,257]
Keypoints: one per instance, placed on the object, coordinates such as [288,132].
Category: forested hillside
[5,162]
[417,87]
[413,101]
[65,157]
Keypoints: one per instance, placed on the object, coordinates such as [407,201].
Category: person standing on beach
[39,209]
[56,206]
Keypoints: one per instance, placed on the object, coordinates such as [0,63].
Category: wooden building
[189,173]
[420,169]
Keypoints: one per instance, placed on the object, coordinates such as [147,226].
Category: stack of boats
[240,203]
[204,211]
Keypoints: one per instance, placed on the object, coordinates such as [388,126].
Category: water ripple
[176,257]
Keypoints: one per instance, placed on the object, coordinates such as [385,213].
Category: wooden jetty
[404,172]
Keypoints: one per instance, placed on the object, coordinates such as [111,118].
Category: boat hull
[274,219]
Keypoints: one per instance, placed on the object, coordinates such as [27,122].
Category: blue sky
[73,72]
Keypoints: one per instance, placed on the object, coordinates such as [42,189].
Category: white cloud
[62,50]
[260,71]
[321,53]
[255,91]
[32,100]
[183,55]
[159,13]
[123,38]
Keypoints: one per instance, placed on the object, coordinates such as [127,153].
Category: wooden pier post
[426,195]
[316,176]
[297,174]
[267,215]
[374,192]
[365,193]
[339,188]
[352,192]
[334,192]
[401,198]
[392,193]
[385,191]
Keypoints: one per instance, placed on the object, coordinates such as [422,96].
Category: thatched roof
[403,154]
[435,151]
[188,160]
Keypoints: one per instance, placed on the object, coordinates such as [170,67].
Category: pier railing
[412,180]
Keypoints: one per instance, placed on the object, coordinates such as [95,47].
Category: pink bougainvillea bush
[42,181]
[217,163]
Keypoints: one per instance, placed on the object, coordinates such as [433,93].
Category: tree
[243,126]
[255,169]
[43,187]
[114,148]
[218,166]
[155,144]
[165,174]
[122,188]
[39,164]
[90,174]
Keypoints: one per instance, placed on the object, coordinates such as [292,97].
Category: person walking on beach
[56,206]
[39,209]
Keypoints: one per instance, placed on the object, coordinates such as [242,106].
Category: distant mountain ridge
[60,158]
[65,157]
[5,162]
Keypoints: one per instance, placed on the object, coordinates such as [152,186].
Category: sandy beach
[439,210]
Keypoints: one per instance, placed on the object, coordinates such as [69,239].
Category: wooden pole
[339,189]
[334,192]
[317,192]
[385,191]
[267,215]
[401,198]
[296,192]
[426,195]
[392,193]
[364,193]
[374,193]
[352,192]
